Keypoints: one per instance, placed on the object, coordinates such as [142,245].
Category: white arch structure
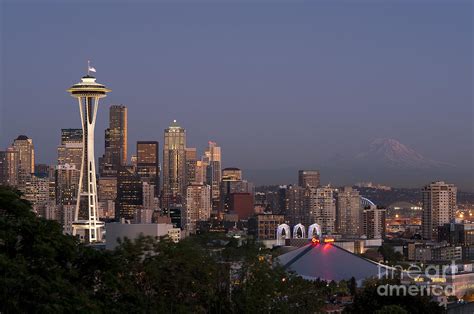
[280,235]
[312,229]
[366,202]
[301,228]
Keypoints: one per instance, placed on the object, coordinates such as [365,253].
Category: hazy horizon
[278,86]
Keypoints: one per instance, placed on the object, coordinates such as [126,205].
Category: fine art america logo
[417,281]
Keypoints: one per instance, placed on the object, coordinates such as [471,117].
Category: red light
[328,240]
[315,241]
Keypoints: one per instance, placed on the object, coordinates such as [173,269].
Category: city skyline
[237,156]
[386,89]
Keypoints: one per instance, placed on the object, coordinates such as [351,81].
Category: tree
[368,300]
[37,262]
[389,255]
[391,309]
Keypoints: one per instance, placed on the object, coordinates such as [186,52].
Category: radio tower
[86,222]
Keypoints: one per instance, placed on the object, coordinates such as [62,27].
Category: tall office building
[67,184]
[439,207]
[198,206]
[129,193]
[12,164]
[212,158]
[115,154]
[68,169]
[3,168]
[86,222]
[70,148]
[148,163]
[200,172]
[321,207]
[232,183]
[349,212]
[106,195]
[71,136]
[36,191]
[26,157]
[174,166]
[191,160]
[308,178]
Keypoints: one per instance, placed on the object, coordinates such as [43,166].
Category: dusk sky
[275,84]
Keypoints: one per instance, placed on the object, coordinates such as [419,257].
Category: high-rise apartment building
[148,163]
[115,154]
[349,212]
[198,206]
[374,222]
[439,207]
[26,157]
[295,208]
[174,166]
[321,207]
[308,178]
[129,193]
[212,159]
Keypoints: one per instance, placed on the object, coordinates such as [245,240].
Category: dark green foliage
[389,255]
[369,301]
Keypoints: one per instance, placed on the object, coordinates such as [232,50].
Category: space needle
[86,222]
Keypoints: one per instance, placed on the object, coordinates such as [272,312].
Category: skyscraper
[71,136]
[212,158]
[148,163]
[12,161]
[174,165]
[230,177]
[295,210]
[321,206]
[198,206]
[67,184]
[3,168]
[129,193]
[88,92]
[191,160]
[70,148]
[26,157]
[200,172]
[308,178]
[349,212]
[374,222]
[439,206]
[115,154]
